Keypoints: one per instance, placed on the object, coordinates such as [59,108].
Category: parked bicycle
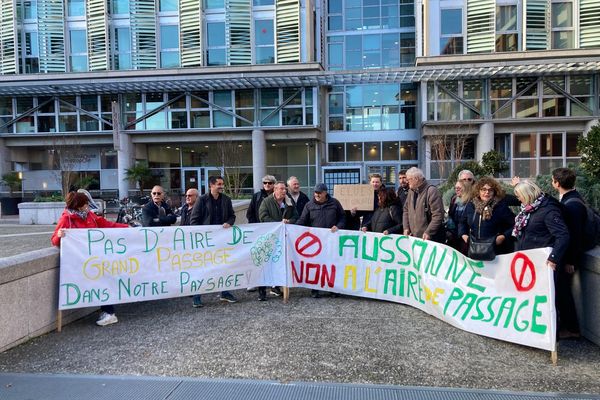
[130,212]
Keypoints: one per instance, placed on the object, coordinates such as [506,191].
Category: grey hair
[291,178]
[269,178]
[415,172]
[466,171]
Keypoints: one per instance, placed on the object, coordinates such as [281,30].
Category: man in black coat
[323,211]
[253,214]
[299,197]
[214,208]
[157,212]
[191,195]
[575,215]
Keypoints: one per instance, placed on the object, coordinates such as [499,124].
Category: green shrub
[41,198]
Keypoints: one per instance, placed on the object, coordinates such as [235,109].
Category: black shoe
[315,294]
[262,297]
[334,295]
[276,291]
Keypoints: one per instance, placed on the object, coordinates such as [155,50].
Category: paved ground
[346,340]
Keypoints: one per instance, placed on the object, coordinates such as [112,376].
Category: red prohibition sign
[527,266]
[308,245]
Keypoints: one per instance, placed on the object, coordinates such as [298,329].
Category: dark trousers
[565,305]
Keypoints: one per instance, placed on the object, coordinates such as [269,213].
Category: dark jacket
[546,228]
[501,223]
[270,211]
[186,215]
[151,216]
[367,215]
[386,219]
[455,213]
[415,217]
[252,214]
[575,215]
[301,202]
[402,194]
[325,215]
[203,209]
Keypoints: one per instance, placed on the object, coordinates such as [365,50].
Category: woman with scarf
[77,214]
[540,223]
[487,216]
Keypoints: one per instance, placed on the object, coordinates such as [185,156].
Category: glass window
[551,145]
[78,53]
[120,6]
[76,8]
[222,98]
[524,146]
[263,2]
[507,37]
[169,46]
[336,55]
[269,97]
[264,40]
[263,29]
[336,152]
[122,49]
[244,98]
[30,9]
[169,5]
[451,40]
[451,21]
[562,25]
[390,151]
[211,4]
[354,152]
[216,43]
[373,151]
[408,150]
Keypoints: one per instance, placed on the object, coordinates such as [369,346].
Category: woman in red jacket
[77,214]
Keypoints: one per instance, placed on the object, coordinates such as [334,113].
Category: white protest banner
[123,265]
[510,298]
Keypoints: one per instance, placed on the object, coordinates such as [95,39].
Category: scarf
[522,218]
[82,214]
[485,208]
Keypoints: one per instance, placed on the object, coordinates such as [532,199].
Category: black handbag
[481,249]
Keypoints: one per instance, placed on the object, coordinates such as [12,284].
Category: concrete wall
[29,297]
[586,291]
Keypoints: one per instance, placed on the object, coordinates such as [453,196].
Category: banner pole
[59,321]
[286,294]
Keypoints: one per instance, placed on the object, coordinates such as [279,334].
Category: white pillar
[125,160]
[485,139]
[259,158]
[590,125]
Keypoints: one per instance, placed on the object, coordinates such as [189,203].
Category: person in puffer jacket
[77,214]
[323,211]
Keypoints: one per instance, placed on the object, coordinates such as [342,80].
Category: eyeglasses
[156,193]
[268,183]
[489,190]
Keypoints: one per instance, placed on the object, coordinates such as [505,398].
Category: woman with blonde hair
[540,223]
[487,218]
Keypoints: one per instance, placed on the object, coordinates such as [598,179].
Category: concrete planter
[45,213]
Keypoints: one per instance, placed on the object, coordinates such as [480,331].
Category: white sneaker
[107,319]
[252,289]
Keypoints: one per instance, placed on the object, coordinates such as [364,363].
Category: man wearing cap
[323,211]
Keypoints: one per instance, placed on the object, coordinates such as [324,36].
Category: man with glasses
[157,212]
[252,214]
[186,211]
[214,208]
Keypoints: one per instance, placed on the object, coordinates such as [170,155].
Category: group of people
[479,211]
